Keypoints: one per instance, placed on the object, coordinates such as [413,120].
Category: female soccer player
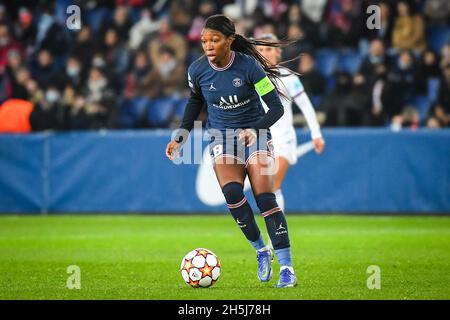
[230,77]
[283,132]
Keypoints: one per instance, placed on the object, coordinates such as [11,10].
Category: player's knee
[233,192]
[267,203]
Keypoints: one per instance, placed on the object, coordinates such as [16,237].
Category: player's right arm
[191,112]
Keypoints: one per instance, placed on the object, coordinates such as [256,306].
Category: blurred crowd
[126,66]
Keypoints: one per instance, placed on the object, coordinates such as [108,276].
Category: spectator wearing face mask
[45,113]
[99,100]
[73,74]
[168,38]
[165,83]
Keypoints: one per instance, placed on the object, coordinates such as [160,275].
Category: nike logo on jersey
[212,88]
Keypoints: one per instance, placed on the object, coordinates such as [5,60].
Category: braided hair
[247,46]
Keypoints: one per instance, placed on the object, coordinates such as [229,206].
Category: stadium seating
[422,104]
[349,61]
[438,36]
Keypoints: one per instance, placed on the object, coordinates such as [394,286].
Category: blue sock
[284,257]
[258,244]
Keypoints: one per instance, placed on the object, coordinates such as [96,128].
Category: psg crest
[237,82]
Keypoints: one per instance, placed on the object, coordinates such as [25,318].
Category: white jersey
[283,131]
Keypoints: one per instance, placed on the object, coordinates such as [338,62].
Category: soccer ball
[200,268]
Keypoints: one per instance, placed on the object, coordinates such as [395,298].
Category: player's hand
[319,145]
[247,137]
[173,148]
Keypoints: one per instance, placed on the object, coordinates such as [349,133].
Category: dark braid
[247,46]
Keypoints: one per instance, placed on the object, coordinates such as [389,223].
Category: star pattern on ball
[206,270]
[203,252]
[188,265]
[193,283]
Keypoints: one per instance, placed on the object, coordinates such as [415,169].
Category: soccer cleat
[264,265]
[287,279]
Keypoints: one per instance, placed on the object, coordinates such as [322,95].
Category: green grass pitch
[138,257]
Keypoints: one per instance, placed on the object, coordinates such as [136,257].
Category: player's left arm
[266,90]
[298,94]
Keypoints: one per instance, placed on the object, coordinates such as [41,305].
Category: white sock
[287,267]
[280,199]
[266,248]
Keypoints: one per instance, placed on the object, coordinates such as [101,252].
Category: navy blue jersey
[230,92]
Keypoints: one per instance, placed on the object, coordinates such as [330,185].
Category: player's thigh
[229,172]
[261,172]
[282,166]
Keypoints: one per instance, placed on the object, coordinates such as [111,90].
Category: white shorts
[285,145]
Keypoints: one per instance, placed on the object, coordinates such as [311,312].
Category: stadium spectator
[7,43]
[50,34]
[409,29]
[99,100]
[313,81]
[375,57]
[120,23]
[437,11]
[445,56]
[166,36]
[135,93]
[25,30]
[409,118]
[309,28]
[145,26]
[440,114]
[401,85]
[19,79]
[73,74]
[428,68]
[344,23]
[45,112]
[182,13]
[115,55]
[206,9]
[44,70]
[84,46]
[376,117]
[165,85]
[294,50]
[334,103]
[386,25]
[35,93]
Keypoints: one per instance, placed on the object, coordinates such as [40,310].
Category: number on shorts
[217,150]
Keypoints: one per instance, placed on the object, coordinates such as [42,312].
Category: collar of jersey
[226,67]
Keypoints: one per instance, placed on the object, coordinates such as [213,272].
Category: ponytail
[248,46]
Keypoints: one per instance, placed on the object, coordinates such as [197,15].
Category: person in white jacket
[284,138]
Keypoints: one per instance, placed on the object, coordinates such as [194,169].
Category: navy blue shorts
[227,148]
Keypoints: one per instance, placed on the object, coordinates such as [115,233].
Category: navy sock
[275,220]
[242,213]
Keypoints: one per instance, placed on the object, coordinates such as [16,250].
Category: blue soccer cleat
[287,279]
[264,265]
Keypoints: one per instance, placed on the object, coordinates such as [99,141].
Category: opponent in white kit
[284,137]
